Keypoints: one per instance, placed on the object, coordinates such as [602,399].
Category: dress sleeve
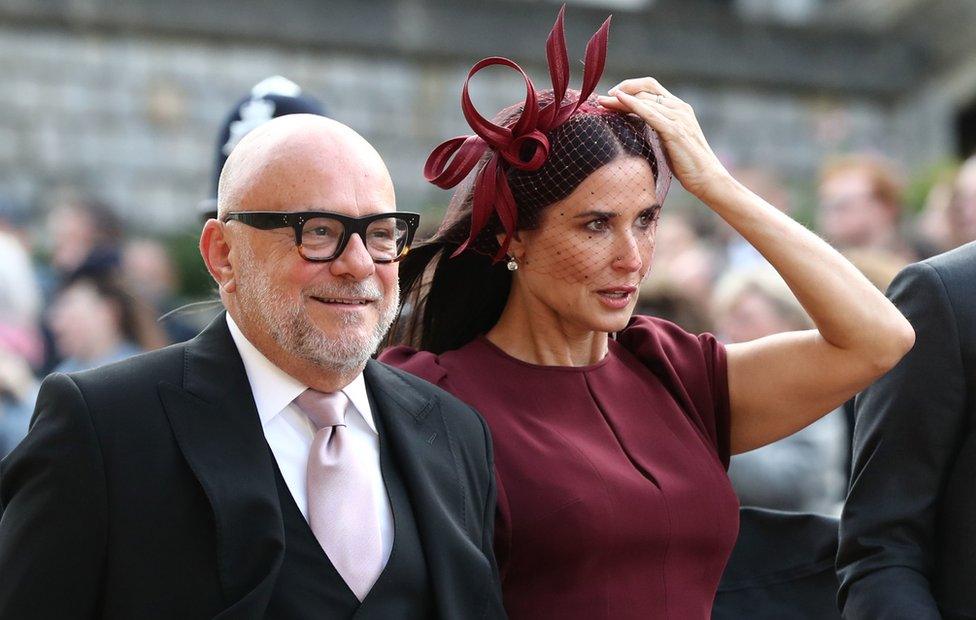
[423,364]
[693,368]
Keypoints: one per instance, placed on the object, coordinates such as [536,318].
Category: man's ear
[215,250]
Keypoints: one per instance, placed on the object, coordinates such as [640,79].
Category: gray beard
[283,318]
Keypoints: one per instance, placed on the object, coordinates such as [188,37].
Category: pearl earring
[512,265]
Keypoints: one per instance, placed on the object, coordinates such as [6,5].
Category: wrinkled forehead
[350,190]
[309,172]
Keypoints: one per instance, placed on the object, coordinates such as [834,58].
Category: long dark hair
[447,302]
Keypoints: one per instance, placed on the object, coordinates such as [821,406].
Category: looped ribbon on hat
[524,145]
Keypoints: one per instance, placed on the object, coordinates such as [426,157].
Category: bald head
[318,320]
[305,162]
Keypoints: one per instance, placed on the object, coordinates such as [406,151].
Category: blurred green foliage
[922,182]
[195,281]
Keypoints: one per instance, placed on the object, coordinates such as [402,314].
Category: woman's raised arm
[781,383]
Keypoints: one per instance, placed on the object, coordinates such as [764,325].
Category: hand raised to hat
[859,335]
[692,160]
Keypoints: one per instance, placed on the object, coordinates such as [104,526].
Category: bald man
[268,467]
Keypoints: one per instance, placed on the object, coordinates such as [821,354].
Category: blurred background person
[149,272]
[95,320]
[961,211]
[683,259]
[21,346]
[860,206]
[81,233]
[932,221]
[802,472]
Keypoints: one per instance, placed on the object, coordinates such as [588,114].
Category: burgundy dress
[613,501]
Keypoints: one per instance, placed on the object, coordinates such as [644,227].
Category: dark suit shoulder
[957,271]
[150,368]
[131,384]
[948,276]
[964,255]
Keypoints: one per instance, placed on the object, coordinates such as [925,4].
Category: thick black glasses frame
[270,220]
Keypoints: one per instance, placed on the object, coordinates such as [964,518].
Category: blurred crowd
[78,290]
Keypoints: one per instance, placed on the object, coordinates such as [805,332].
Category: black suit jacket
[782,566]
[908,532]
[146,489]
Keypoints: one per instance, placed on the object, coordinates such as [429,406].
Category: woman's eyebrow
[593,213]
[605,214]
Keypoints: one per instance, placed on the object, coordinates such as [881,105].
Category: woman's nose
[628,255]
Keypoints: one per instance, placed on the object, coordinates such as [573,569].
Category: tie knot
[323,408]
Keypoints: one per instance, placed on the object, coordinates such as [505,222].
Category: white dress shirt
[289,432]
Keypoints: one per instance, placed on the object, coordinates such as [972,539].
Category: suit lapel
[217,427]
[422,449]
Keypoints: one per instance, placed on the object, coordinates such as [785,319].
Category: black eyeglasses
[321,236]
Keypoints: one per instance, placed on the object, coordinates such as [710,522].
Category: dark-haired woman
[612,434]
[96,321]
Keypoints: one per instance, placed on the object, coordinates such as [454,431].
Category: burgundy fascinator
[523,145]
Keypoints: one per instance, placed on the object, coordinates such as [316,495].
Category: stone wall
[131,114]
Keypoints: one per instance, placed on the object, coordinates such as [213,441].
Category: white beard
[285,319]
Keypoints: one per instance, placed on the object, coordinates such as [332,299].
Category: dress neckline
[499,352]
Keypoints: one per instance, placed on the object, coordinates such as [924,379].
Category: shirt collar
[274,389]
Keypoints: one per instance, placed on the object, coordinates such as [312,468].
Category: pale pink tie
[342,510]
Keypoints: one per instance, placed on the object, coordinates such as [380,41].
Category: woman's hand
[692,160]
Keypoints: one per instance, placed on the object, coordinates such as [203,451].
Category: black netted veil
[593,137]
